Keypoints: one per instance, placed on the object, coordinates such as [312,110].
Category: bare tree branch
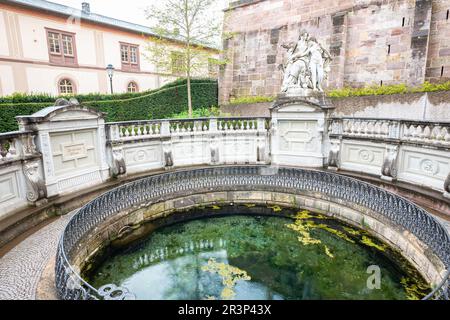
[190,23]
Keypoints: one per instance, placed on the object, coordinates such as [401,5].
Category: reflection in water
[258,257]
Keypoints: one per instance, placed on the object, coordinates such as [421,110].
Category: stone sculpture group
[307,65]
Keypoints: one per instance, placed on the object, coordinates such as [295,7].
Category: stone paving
[22,267]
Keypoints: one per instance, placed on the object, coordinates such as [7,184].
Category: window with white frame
[129,55]
[66,86]
[61,47]
[132,87]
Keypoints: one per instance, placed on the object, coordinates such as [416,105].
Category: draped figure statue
[307,65]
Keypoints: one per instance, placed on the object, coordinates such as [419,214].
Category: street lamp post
[110,70]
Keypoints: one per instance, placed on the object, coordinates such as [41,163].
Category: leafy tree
[195,29]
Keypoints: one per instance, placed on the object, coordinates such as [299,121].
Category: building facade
[51,48]
[378,42]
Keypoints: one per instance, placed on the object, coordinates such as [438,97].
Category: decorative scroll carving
[333,157]
[168,159]
[119,166]
[168,156]
[61,102]
[214,152]
[389,168]
[113,292]
[37,189]
[447,186]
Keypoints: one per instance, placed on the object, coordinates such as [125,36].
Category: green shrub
[251,99]
[169,99]
[201,113]
[387,90]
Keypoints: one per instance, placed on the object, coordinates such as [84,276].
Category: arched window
[132,87]
[66,87]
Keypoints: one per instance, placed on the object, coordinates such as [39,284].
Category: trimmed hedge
[156,104]
[44,97]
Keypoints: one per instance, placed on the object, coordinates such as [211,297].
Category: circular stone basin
[277,254]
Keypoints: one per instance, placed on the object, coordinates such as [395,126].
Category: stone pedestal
[299,136]
[71,139]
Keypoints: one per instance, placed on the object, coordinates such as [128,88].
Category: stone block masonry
[378,42]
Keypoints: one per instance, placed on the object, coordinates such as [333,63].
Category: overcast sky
[130,10]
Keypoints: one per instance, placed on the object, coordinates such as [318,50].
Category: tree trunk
[189,95]
[188,56]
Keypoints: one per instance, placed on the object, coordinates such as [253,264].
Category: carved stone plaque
[298,136]
[73,151]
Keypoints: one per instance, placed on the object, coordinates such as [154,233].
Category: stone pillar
[419,42]
[214,149]
[298,130]
[338,49]
[226,72]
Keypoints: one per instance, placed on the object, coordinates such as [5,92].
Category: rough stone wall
[431,106]
[376,42]
[438,61]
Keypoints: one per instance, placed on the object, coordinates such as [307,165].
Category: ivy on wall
[156,104]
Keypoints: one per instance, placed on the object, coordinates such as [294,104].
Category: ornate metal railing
[442,290]
[398,210]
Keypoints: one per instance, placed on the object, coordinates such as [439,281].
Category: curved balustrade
[427,133]
[156,188]
[421,132]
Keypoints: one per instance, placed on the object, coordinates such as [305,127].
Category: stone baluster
[121,132]
[385,129]
[427,133]
[414,130]
[140,130]
[447,135]
[347,127]
[370,128]
[406,134]
[435,134]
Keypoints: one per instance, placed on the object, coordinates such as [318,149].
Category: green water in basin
[305,256]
